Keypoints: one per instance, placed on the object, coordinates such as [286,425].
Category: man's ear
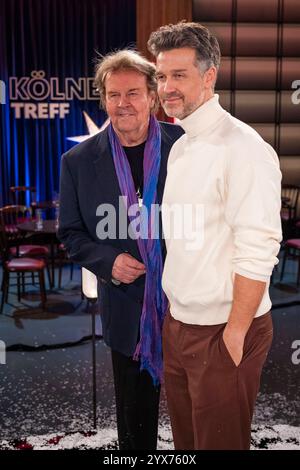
[154,99]
[210,77]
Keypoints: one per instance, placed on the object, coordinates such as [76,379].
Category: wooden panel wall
[259,41]
[150,14]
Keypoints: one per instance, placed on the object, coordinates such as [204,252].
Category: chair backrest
[291,192]
[89,284]
[4,250]
[10,217]
[19,193]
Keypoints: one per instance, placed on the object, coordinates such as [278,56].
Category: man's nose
[123,101]
[168,86]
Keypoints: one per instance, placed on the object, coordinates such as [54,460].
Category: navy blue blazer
[88,179]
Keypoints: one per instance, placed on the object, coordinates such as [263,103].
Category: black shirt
[135,157]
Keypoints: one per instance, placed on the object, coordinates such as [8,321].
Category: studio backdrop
[47,57]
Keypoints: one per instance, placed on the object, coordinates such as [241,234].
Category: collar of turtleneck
[203,117]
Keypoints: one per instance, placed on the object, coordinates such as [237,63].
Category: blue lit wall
[58,37]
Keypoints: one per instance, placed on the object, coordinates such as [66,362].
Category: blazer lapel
[105,170]
[109,185]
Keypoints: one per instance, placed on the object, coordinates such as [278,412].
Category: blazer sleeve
[82,248]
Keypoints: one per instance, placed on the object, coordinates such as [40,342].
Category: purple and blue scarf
[149,348]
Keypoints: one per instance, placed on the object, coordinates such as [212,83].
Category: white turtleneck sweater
[225,179]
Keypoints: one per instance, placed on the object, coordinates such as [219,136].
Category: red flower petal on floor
[88,433]
[22,445]
[55,440]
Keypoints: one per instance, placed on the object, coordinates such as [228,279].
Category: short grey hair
[187,34]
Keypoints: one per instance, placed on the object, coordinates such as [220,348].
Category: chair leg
[6,289]
[42,289]
[298,275]
[71,270]
[283,262]
[60,268]
[23,283]
[2,283]
[19,287]
[48,274]
[5,281]
[2,303]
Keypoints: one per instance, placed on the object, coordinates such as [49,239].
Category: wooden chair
[19,266]
[10,217]
[291,250]
[63,259]
[290,198]
[19,193]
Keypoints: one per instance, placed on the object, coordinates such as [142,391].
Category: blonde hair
[125,59]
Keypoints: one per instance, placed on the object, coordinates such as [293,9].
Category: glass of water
[39,219]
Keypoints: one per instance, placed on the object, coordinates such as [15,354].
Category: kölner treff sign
[39,97]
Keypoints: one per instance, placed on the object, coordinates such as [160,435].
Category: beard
[181,111]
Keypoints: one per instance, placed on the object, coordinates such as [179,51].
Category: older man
[103,182]
[219,329]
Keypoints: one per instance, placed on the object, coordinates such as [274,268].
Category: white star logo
[92,129]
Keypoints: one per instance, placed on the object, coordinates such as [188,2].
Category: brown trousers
[210,399]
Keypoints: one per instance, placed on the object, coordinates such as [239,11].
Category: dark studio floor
[46,383]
